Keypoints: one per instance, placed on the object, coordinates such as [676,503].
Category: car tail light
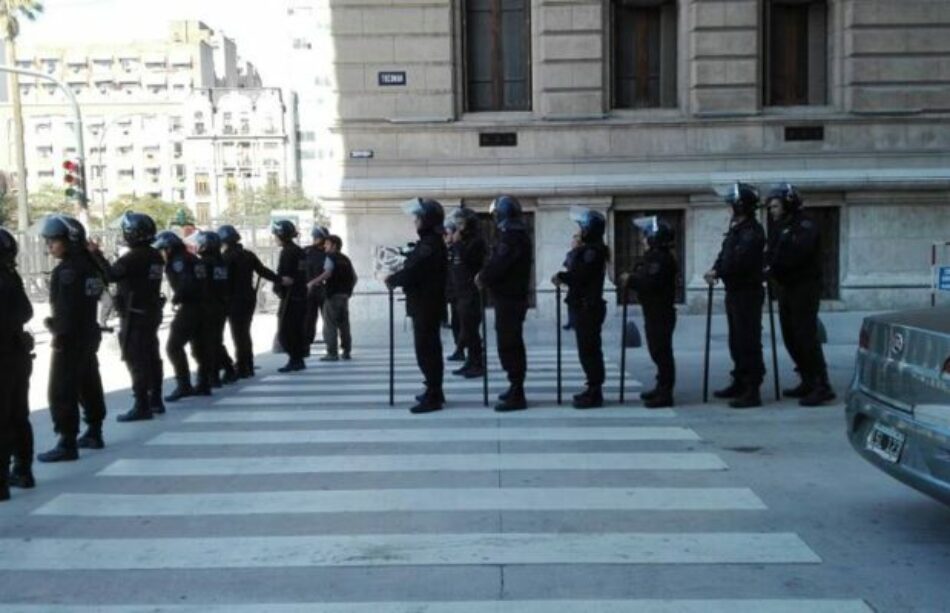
[864,341]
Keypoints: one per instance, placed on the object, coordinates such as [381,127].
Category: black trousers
[16,433]
[588,322]
[469,317]
[509,329]
[185,330]
[315,300]
[744,314]
[798,306]
[291,327]
[455,323]
[659,324]
[427,338]
[240,318]
[74,379]
[140,350]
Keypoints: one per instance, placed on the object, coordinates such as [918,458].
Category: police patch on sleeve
[178,266]
[201,272]
[94,287]
[155,272]
[220,273]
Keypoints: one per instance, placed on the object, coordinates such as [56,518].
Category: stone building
[637,106]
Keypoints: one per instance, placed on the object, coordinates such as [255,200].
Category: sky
[252,24]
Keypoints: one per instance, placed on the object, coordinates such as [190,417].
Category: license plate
[885,442]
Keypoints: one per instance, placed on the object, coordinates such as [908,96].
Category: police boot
[230,375]
[505,394]
[799,391]
[21,476]
[734,390]
[203,388]
[660,399]
[474,371]
[431,401]
[748,399]
[439,396]
[91,438]
[64,451]
[583,394]
[458,356]
[819,395]
[155,404]
[4,492]
[649,394]
[215,381]
[594,399]
[182,391]
[460,371]
[514,400]
[139,412]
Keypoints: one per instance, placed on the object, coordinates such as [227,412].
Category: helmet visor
[413,207]
[580,215]
[647,225]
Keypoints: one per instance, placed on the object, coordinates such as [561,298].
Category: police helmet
[593,225]
[429,211]
[743,198]
[450,225]
[505,210]
[465,219]
[786,194]
[8,245]
[137,229]
[320,233]
[63,227]
[207,242]
[229,235]
[658,233]
[168,240]
[284,229]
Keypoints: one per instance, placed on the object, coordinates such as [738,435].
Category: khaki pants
[336,323]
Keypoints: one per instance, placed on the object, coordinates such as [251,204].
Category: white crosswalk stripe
[330,414]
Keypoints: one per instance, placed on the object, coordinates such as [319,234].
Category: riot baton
[482,299]
[392,349]
[623,345]
[557,319]
[768,296]
[709,303]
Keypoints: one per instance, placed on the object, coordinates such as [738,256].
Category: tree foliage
[164,213]
[256,204]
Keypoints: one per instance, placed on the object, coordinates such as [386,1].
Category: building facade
[634,107]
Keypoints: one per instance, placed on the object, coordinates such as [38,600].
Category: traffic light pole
[77,115]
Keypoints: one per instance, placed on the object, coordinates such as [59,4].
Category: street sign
[395,78]
[943,278]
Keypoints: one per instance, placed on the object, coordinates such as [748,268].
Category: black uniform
[423,279]
[507,274]
[293,302]
[794,263]
[215,312]
[465,260]
[316,258]
[75,288]
[654,280]
[16,364]
[585,282]
[740,266]
[242,266]
[187,277]
[138,300]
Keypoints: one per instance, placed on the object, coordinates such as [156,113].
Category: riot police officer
[793,262]
[215,308]
[75,288]
[242,266]
[292,289]
[423,278]
[654,280]
[507,274]
[584,279]
[449,233]
[466,258]
[16,345]
[317,264]
[740,267]
[186,276]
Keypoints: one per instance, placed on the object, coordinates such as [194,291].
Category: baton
[768,296]
[392,349]
[482,300]
[557,319]
[709,302]
[623,345]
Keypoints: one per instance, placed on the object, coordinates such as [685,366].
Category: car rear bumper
[924,462]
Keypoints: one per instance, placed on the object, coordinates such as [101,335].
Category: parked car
[898,406]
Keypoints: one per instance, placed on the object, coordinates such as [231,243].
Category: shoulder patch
[155,272]
[94,287]
[201,272]
[178,266]
[220,273]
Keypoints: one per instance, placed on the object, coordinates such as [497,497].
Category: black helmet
[465,219]
[505,210]
[658,233]
[63,227]
[743,198]
[137,229]
[229,235]
[284,229]
[207,242]
[429,211]
[786,194]
[168,240]
[593,225]
[319,233]
[8,245]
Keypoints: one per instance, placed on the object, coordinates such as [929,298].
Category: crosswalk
[311,477]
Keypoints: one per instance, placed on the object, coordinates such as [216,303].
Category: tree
[256,204]
[164,213]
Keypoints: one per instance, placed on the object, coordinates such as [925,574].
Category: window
[497,55]
[203,212]
[230,184]
[273,179]
[644,54]
[628,248]
[202,185]
[796,52]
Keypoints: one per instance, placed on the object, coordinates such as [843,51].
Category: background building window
[629,250]
[202,186]
[796,52]
[644,53]
[497,37]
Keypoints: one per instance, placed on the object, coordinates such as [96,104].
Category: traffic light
[74,180]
